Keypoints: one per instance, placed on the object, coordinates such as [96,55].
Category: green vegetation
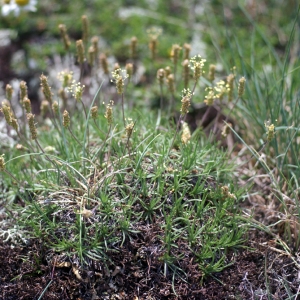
[111,161]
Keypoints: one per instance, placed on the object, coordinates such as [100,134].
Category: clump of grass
[116,177]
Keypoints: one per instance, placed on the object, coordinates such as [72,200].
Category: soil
[26,272]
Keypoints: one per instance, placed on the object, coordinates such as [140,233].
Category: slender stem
[12,176]
[161,96]
[108,152]
[205,115]
[87,129]
[106,137]
[123,109]
[170,105]
[75,138]
[98,127]
[47,157]
[177,130]
[234,104]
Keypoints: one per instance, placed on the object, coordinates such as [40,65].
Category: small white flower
[16,6]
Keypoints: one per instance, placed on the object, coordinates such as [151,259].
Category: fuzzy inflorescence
[119,76]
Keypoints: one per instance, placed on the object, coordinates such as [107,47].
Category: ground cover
[105,198]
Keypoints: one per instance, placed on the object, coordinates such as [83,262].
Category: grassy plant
[97,176]
[94,181]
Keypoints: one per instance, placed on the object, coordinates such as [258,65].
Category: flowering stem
[87,129]
[205,115]
[104,142]
[123,110]
[181,117]
[74,137]
[234,104]
[47,157]
[12,176]
[161,96]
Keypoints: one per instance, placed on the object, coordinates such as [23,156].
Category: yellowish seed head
[94,112]
[133,47]
[46,88]
[64,35]
[186,133]
[171,83]
[186,101]
[66,119]
[160,75]
[6,112]
[80,51]
[109,112]
[2,163]
[27,105]
[9,92]
[197,64]
[241,86]
[23,91]
[187,50]
[55,107]
[209,98]
[32,128]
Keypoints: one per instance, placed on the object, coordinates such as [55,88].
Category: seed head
[66,78]
[2,163]
[66,119]
[197,64]
[104,63]
[129,69]
[160,75]
[27,105]
[175,53]
[46,88]
[129,128]
[94,112]
[21,147]
[211,73]
[153,34]
[109,112]
[226,129]
[167,71]
[186,133]
[230,81]
[23,91]
[270,131]
[7,113]
[241,86]
[186,101]
[133,47]
[119,76]
[171,83]
[85,28]
[225,192]
[95,43]
[80,52]
[221,89]
[14,124]
[77,90]
[64,35]
[55,108]
[209,98]
[32,128]
[9,92]
[187,50]
[91,55]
